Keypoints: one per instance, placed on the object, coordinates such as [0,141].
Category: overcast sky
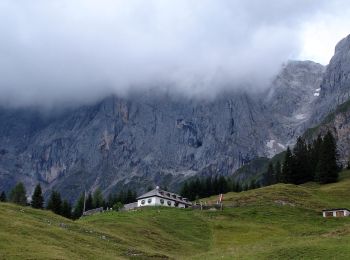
[59,51]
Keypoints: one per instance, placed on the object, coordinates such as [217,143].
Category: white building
[158,197]
[336,213]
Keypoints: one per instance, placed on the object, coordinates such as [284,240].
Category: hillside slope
[280,221]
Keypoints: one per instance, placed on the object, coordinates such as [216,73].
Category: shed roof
[336,209]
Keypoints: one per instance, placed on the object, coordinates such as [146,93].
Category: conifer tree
[215,185]
[287,168]
[269,176]
[98,200]
[55,203]
[208,187]
[111,200]
[222,185]
[18,195]
[185,190]
[252,185]
[278,172]
[89,202]
[314,154]
[37,198]
[79,207]
[301,169]
[327,168]
[235,187]
[66,210]
[3,197]
[129,196]
[239,187]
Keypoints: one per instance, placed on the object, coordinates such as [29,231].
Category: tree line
[316,161]
[96,200]
[197,188]
[63,207]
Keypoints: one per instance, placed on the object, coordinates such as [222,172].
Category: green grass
[276,222]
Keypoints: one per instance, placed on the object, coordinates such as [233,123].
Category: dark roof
[336,209]
[164,194]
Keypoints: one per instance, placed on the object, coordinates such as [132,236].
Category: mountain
[153,137]
[281,221]
[332,108]
[335,86]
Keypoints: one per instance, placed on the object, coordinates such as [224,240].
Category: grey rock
[152,139]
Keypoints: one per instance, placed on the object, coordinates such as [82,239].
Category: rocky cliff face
[335,86]
[291,100]
[148,139]
[135,142]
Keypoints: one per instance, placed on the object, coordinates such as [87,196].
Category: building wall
[155,201]
[336,213]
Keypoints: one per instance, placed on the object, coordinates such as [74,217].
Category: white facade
[336,213]
[156,201]
[158,197]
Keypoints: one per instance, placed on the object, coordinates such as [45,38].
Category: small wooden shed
[337,213]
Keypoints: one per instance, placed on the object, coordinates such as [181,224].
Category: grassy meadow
[282,221]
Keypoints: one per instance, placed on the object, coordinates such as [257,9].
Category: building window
[169,203]
[149,201]
[176,204]
[143,202]
[161,201]
[329,214]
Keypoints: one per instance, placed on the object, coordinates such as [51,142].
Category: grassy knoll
[276,222]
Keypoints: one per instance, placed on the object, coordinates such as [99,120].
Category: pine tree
[18,195]
[3,197]
[37,198]
[239,187]
[208,187]
[89,202]
[269,176]
[55,203]
[314,154]
[79,207]
[327,168]
[111,200]
[301,167]
[97,199]
[287,168]
[185,190]
[215,186]
[235,187]
[278,172]
[252,185]
[129,196]
[66,210]
[222,185]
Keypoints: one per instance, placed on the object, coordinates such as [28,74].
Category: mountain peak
[343,45]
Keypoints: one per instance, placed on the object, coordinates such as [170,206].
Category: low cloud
[62,51]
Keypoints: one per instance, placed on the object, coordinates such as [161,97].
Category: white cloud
[58,51]
[324,31]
